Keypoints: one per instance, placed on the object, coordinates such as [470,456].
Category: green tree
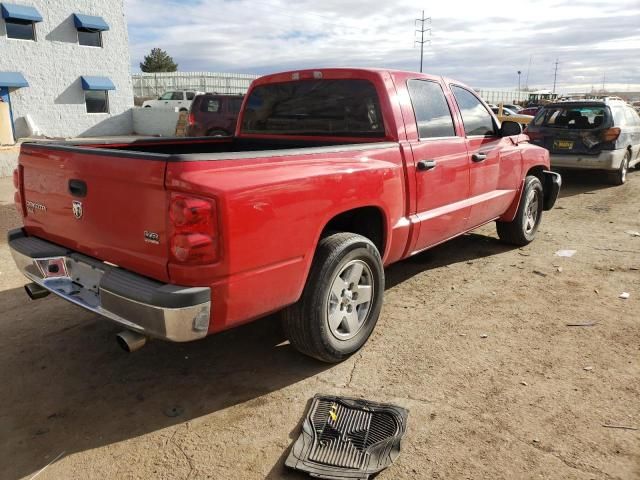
[158,61]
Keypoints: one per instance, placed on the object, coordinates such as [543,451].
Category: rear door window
[433,116]
[343,108]
[210,105]
[190,95]
[573,117]
[476,118]
[177,96]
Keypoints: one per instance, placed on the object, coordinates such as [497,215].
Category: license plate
[563,144]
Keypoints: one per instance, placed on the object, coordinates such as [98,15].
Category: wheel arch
[369,221]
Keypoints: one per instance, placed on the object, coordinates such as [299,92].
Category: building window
[20,29]
[97,101]
[89,38]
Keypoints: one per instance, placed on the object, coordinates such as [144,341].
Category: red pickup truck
[331,175]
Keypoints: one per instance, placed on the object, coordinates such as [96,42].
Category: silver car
[590,134]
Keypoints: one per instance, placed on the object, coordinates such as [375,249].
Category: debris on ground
[172,412]
[622,427]
[633,233]
[582,324]
[484,335]
[565,253]
[587,369]
[624,295]
[348,438]
[539,273]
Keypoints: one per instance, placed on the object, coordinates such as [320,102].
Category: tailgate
[94,201]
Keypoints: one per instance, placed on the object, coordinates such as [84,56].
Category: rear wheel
[341,301]
[522,230]
[619,177]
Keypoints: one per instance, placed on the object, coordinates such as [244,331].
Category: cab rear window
[579,118]
[315,107]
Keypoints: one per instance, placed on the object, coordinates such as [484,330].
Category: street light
[519,72]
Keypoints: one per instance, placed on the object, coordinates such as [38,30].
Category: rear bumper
[605,160]
[165,311]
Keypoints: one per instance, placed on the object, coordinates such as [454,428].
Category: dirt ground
[473,340]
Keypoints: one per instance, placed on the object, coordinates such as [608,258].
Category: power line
[422,31]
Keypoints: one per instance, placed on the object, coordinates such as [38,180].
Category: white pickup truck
[180,99]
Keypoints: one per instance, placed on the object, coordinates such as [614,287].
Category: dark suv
[589,134]
[212,114]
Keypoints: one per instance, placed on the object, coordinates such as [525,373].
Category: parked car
[590,134]
[512,107]
[504,114]
[180,99]
[214,115]
[529,111]
[332,175]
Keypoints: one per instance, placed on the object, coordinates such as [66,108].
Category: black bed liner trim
[200,157]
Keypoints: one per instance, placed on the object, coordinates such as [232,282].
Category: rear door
[440,166]
[98,203]
[495,162]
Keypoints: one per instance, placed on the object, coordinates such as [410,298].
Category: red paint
[270,211]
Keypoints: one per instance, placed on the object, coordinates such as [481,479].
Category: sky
[483,44]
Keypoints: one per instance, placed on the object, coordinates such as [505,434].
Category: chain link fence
[155,84]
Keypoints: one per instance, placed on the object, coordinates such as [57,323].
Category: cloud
[481,44]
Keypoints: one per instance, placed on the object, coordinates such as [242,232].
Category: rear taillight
[16,179]
[194,232]
[191,119]
[610,134]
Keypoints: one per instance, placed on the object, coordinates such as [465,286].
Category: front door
[441,167]
[495,162]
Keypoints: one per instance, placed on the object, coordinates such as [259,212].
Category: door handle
[424,165]
[78,188]
[479,157]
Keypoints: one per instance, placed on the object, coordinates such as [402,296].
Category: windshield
[573,117]
[315,107]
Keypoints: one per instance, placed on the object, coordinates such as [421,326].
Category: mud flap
[551,187]
[347,438]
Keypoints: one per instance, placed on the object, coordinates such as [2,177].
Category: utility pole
[422,31]
[555,76]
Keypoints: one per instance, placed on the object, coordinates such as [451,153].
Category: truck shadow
[67,387]
[468,247]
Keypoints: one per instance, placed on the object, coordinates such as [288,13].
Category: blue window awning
[11,11]
[90,23]
[13,80]
[97,83]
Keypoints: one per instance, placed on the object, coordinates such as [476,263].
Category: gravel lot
[529,400]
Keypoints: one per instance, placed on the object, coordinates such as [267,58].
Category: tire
[217,133]
[619,177]
[522,230]
[328,323]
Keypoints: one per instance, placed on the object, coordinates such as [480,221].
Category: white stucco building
[65,67]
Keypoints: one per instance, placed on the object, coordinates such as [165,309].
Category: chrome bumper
[169,312]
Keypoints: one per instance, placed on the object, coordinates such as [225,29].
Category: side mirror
[510,128]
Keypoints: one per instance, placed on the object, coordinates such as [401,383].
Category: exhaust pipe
[131,341]
[35,291]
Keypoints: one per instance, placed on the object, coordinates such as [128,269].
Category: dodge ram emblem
[77,209]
